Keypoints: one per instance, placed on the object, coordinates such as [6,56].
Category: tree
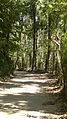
[8,12]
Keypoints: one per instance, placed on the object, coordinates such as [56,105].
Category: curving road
[26,97]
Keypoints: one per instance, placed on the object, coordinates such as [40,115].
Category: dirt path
[26,97]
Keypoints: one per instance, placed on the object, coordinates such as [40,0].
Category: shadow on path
[24,94]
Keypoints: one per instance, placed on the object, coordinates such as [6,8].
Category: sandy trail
[25,97]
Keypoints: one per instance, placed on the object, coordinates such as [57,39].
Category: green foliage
[8,12]
[16,33]
[64,53]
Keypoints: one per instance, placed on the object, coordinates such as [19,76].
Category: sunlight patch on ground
[28,88]
[30,115]
[33,88]
[32,80]
[23,102]
[10,106]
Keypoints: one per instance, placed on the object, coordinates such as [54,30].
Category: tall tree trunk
[60,78]
[64,72]
[60,71]
[48,50]
[34,38]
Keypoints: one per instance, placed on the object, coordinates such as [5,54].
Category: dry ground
[27,96]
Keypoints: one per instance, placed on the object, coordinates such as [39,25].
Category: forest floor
[31,96]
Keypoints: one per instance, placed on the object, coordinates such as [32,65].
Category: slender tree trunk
[59,70]
[48,50]
[34,38]
[30,60]
[64,30]
[53,69]
[7,44]
[60,79]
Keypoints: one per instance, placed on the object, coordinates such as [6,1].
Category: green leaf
[1,19]
[62,15]
[50,6]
